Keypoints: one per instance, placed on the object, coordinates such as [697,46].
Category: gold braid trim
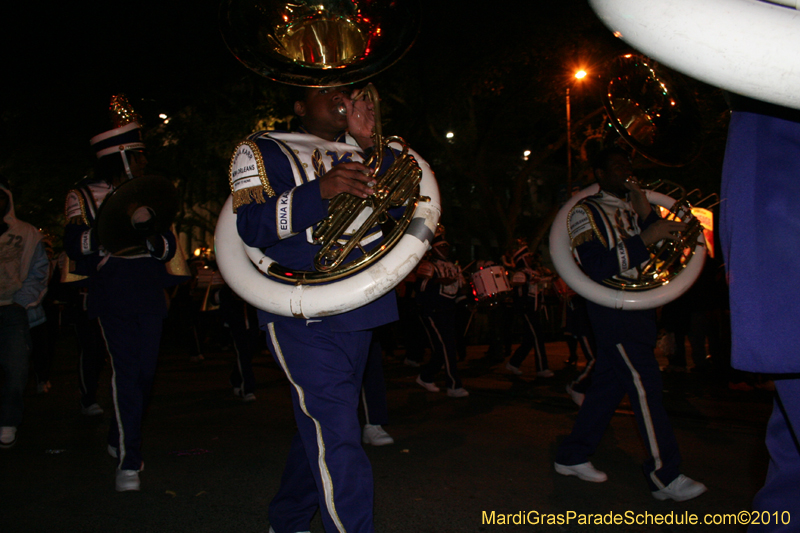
[250,194]
[246,196]
[83,218]
[587,235]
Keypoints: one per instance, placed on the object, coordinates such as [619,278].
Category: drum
[489,284]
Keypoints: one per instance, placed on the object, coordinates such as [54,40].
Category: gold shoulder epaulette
[248,176]
[583,227]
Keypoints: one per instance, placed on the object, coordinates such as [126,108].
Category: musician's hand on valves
[360,119]
[662,229]
[352,177]
[637,198]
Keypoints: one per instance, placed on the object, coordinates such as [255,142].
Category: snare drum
[489,284]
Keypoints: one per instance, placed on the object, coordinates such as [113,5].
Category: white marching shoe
[585,471]
[376,436]
[430,387]
[127,480]
[681,489]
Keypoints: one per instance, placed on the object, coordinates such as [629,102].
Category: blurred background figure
[44,321]
[528,281]
[438,288]
[242,323]
[24,269]
[373,398]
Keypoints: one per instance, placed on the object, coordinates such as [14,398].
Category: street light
[579,75]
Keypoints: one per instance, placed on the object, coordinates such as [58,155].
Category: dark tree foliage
[496,77]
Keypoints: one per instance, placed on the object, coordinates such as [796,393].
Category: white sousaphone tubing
[571,273]
[747,47]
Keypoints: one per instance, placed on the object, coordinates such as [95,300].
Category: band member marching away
[611,232]
[528,300]
[439,285]
[126,294]
[282,184]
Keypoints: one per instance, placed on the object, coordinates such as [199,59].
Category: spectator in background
[24,268]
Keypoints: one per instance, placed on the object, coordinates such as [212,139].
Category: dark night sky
[66,60]
[69,58]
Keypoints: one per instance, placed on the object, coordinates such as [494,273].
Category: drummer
[493,294]
[527,283]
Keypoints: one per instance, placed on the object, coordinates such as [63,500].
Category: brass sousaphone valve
[337,234]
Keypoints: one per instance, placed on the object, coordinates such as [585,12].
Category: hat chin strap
[126,164]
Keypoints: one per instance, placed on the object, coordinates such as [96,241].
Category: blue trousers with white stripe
[327,468]
[441,328]
[531,339]
[629,367]
[133,345]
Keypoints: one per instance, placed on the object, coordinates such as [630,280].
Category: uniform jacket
[605,232]
[274,178]
[434,295]
[121,286]
[760,230]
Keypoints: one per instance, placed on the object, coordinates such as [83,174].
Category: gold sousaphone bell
[652,110]
[318,43]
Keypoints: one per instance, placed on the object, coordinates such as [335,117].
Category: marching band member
[758,225]
[282,184]
[611,231]
[411,326]
[527,282]
[439,284]
[577,330]
[125,294]
[500,315]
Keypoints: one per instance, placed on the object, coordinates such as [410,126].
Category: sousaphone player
[298,174]
[610,232]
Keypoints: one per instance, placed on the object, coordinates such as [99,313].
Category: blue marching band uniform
[528,301]
[85,202]
[277,199]
[438,286]
[759,226]
[126,295]
[605,231]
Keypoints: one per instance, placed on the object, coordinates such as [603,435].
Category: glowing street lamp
[579,75]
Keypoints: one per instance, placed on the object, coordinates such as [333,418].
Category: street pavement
[213,462]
